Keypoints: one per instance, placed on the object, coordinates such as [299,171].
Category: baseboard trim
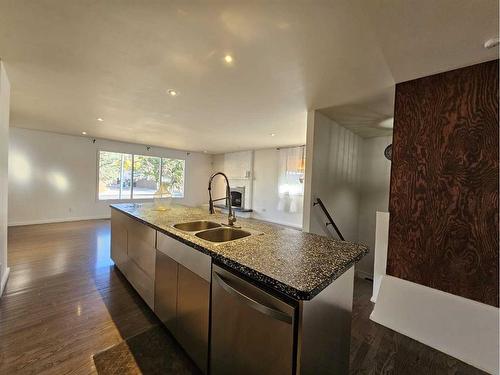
[57,220]
[457,326]
[3,282]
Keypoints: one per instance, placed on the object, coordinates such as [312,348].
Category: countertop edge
[260,278]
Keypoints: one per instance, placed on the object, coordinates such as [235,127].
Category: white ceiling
[364,116]
[72,61]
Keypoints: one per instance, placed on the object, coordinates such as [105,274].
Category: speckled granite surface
[294,263]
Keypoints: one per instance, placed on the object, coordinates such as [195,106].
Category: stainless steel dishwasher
[252,332]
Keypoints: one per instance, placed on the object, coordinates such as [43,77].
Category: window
[146,176]
[291,179]
[126,176]
[115,175]
[291,171]
[172,177]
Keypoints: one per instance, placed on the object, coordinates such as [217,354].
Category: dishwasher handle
[266,310]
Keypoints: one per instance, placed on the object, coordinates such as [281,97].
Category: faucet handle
[231,225]
[231,220]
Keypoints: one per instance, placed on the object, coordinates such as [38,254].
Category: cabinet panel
[141,246]
[142,283]
[133,251]
[166,290]
[190,258]
[118,239]
[193,301]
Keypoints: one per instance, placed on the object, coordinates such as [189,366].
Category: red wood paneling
[444,183]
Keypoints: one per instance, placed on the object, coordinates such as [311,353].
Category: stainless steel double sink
[213,232]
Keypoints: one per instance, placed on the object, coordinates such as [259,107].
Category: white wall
[261,187]
[218,186]
[457,326]
[374,195]
[238,167]
[4,156]
[332,174]
[42,163]
[352,177]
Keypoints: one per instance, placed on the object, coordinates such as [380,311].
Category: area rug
[151,352]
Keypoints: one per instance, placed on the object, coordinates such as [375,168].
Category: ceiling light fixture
[100,119]
[172,92]
[228,59]
[272,134]
[84,133]
[388,123]
[491,43]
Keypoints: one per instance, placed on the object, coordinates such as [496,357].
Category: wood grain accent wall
[444,226]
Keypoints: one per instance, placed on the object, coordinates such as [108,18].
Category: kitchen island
[275,301]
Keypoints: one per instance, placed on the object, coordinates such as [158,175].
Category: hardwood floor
[376,349]
[65,302]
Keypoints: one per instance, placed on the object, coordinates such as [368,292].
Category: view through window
[127,176]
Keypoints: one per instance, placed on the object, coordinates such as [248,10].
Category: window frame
[132,199]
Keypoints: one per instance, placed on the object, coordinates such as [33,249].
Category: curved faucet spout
[231,217]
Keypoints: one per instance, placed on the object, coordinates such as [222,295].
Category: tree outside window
[118,180]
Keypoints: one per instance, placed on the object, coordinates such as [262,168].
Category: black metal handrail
[329,217]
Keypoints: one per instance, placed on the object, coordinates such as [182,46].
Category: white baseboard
[460,327]
[56,220]
[3,282]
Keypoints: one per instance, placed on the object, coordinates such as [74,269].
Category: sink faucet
[231,218]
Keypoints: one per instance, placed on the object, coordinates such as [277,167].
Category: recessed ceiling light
[272,134]
[172,92]
[388,123]
[84,133]
[205,151]
[100,119]
[228,59]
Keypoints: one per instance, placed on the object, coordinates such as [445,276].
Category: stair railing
[329,217]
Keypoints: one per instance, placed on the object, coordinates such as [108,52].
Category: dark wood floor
[65,302]
[376,349]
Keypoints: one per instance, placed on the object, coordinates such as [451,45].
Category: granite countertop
[292,262]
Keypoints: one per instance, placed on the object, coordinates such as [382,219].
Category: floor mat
[152,352]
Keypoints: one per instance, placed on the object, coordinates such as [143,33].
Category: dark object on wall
[388,152]
[444,183]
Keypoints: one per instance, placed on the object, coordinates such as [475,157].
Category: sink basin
[194,226]
[223,234]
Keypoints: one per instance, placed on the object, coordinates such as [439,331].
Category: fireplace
[238,196]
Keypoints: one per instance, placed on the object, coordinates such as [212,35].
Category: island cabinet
[247,308]
[182,296]
[119,239]
[133,251]
[167,271]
